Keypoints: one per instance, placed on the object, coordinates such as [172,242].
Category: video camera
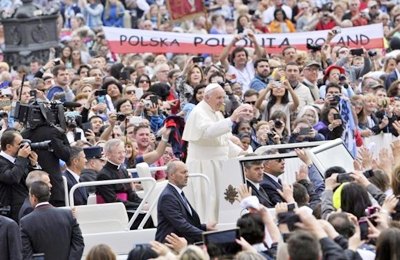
[40,113]
[45,145]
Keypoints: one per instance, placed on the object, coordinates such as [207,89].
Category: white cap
[211,87]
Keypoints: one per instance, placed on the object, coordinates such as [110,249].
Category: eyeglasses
[144,81]
[250,102]
[130,92]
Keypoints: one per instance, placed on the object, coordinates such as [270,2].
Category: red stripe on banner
[175,47]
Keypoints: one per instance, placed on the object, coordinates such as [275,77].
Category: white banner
[122,40]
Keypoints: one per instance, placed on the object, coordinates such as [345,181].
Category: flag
[349,127]
[183,9]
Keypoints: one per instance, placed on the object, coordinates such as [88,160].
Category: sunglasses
[144,81]
[130,92]
[250,102]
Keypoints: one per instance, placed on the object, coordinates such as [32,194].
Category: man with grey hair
[114,150]
[175,214]
[210,141]
[33,176]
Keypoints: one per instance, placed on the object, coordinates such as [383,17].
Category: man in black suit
[75,165]
[49,230]
[175,214]
[33,176]
[10,247]
[16,159]
[50,160]
[271,182]
[253,171]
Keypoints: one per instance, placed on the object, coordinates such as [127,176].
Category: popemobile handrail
[118,181]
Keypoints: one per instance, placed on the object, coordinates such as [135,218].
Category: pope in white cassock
[209,135]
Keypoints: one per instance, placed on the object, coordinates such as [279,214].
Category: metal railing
[119,181]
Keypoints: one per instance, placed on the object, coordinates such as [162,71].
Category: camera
[147,103]
[57,61]
[372,53]
[344,177]
[278,123]
[100,92]
[313,47]
[45,145]
[289,218]
[342,77]
[121,117]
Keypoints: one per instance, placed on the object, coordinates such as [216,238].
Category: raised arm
[225,53]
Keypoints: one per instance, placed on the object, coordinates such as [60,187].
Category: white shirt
[76,176]
[276,179]
[8,157]
[180,193]
[257,185]
[243,76]
[42,203]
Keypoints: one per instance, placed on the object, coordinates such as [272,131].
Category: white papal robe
[208,135]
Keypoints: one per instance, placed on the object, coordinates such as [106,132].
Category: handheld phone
[154,99]
[357,52]
[336,116]
[289,218]
[363,224]
[198,59]
[100,92]
[305,131]
[222,243]
[344,177]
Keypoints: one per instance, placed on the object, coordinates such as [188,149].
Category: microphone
[71,104]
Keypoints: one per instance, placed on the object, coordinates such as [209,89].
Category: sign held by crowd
[123,40]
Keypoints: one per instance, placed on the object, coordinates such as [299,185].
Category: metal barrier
[152,169]
[65,184]
[264,148]
[119,181]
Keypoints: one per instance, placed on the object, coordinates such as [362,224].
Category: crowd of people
[189,112]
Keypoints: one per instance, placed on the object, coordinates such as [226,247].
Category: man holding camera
[16,159]
[49,157]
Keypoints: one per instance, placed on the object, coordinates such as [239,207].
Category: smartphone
[363,224]
[305,131]
[77,136]
[57,61]
[336,116]
[291,207]
[369,173]
[222,243]
[289,218]
[357,52]
[154,100]
[344,177]
[198,59]
[100,92]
